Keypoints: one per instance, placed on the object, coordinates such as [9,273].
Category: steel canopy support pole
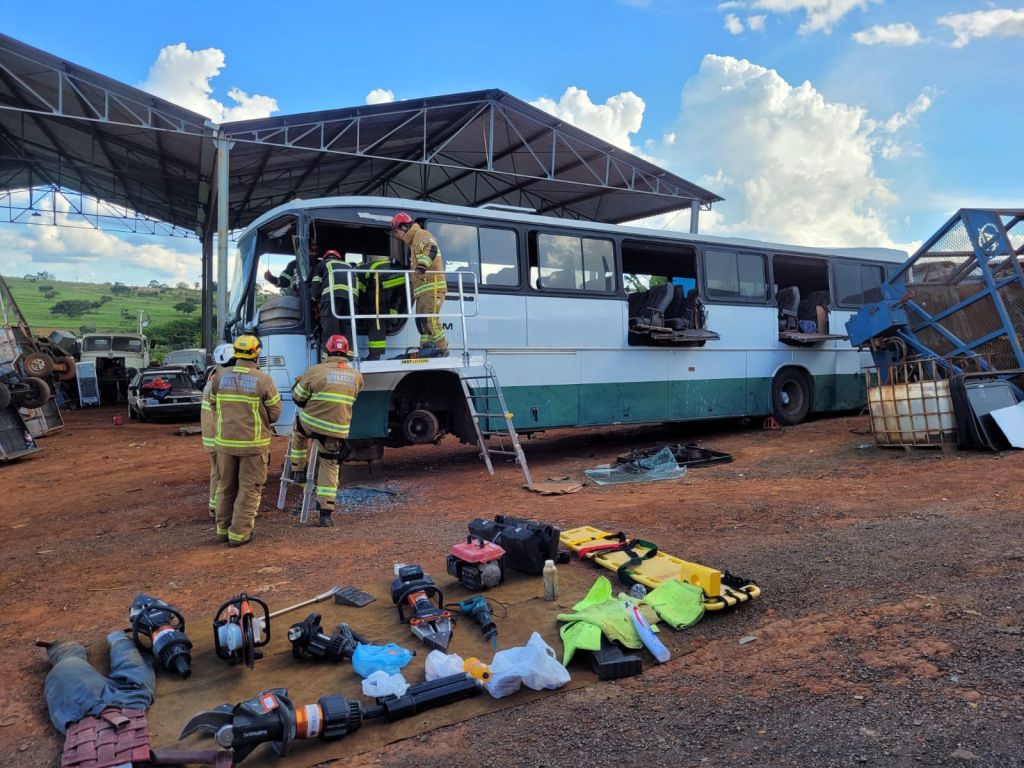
[694,216]
[207,286]
[223,150]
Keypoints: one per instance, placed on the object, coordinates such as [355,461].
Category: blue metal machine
[958,301]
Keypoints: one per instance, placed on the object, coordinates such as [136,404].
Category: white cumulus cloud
[756,23]
[733,24]
[893,34]
[820,15]
[183,76]
[792,165]
[74,248]
[613,121]
[998,22]
[380,96]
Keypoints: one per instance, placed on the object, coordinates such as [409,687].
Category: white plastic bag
[442,664]
[380,683]
[533,665]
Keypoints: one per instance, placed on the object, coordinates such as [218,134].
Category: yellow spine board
[659,568]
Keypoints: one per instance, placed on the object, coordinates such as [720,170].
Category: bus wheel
[791,396]
[421,426]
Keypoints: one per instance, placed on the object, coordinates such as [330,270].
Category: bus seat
[658,299]
[505,276]
[635,302]
[788,300]
[563,278]
[809,309]
[675,314]
[694,311]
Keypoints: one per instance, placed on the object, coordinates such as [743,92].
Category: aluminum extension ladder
[488,409]
[307,487]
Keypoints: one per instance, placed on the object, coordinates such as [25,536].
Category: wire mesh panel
[965,288]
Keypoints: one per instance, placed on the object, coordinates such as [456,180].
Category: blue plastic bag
[389,658]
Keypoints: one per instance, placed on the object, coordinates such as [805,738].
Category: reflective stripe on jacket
[245,404]
[421,243]
[325,395]
[207,421]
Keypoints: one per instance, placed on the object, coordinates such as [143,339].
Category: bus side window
[460,248]
[858,284]
[568,262]
[499,257]
[735,275]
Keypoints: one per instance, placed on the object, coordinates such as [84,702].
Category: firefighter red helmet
[337,345]
[331,255]
[399,219]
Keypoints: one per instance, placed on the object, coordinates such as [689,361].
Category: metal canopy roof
[464,149]
[69,127]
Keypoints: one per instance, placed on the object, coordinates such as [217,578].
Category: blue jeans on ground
[75,690]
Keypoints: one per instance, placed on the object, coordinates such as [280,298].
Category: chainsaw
[238,631]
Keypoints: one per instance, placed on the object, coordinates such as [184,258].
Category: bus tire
[421,427]
[791,396]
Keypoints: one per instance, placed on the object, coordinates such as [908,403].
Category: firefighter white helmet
[222,353]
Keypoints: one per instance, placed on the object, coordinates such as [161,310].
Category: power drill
[477,608]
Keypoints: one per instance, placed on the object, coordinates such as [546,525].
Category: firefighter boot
[326,521]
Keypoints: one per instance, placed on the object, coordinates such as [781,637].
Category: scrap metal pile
[947,336]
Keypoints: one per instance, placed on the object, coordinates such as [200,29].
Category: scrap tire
[791,396]
[38,393]
[38,364]
[5,396]
[69,372]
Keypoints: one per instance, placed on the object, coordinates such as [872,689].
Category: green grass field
[158,307]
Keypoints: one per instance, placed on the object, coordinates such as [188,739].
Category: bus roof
[497,214]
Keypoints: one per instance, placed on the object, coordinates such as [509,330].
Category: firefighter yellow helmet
[247,347]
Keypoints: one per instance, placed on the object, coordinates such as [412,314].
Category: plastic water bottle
[638,591]
[550,581]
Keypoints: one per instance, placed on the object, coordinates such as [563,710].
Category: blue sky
[842,122]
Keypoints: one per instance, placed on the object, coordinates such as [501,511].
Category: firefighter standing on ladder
[325,395]
[428,283]
[245,404]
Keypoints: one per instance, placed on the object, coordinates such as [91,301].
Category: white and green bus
[584,324]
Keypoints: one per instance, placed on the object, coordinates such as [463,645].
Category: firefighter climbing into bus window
[428,283]
[333,280]
[284,282]
[383,294]
[245,404]
[325,395]
[223,355]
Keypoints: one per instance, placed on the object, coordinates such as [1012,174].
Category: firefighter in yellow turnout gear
[428,283]
[325,395]
[383,294]
[245,404]
[222,355]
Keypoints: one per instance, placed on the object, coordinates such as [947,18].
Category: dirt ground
[889,631]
